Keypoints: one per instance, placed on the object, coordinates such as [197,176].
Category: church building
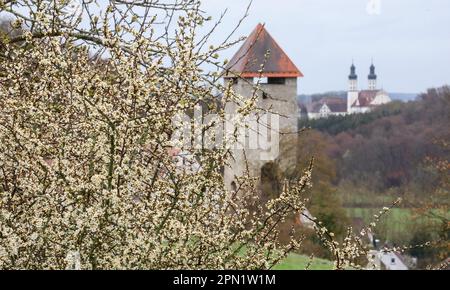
[356,102]
[365,100]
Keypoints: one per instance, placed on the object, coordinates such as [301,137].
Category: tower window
[261,81]
[264,95]
[276,81]
[234,81]
[233,186]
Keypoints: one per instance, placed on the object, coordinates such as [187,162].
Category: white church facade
[357,102]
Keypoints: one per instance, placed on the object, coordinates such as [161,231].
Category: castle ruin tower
[277,94]
[372,79]
[352,94]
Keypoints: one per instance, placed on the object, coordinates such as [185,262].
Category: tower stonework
[277,94]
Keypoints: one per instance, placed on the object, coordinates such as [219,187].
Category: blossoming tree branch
[88,179]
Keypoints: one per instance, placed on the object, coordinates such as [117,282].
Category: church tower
[353,79]
[278,94]
[372,79]
[352,94]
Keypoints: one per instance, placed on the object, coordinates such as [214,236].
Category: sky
[408,40]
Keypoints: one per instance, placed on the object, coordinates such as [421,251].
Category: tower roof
[249,58]
[372,75]
[353,75]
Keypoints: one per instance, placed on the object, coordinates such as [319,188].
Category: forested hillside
[387,148]
[398,150]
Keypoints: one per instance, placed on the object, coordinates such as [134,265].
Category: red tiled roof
[365,98]
[247,61]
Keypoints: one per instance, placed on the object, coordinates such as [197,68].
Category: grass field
[396,226]
[299,262]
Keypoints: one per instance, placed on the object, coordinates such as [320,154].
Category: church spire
[372,75]
[353,78]
[372,78]
[353,75]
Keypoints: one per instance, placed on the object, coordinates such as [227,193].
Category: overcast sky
[409,40]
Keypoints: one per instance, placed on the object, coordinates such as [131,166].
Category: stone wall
[277,98]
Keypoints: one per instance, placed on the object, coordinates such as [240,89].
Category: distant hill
[404,97]
[388,147]
[306,99]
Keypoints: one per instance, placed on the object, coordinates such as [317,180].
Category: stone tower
[372,79]
[278,94]
[353,93]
